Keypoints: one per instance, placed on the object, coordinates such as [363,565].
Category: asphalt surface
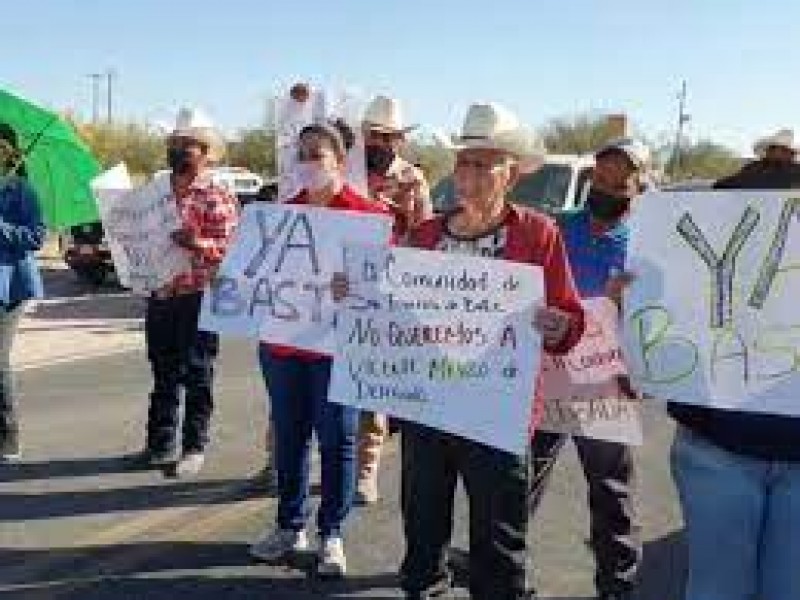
[78,520]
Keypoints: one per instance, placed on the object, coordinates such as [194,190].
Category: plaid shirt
[210,213]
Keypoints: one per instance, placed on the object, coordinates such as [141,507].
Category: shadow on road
[16,506]
[169,570]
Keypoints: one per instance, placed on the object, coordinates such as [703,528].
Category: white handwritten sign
[137,225]
[580,389]
[275,280]
[712,317]
[293,115]
[442,340]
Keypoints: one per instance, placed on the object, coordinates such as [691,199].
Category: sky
[543,59]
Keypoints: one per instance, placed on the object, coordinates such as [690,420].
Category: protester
[402,187]
[494,148]
[738,473]
[22,232]
[596,240]
[297,382]
[181,355]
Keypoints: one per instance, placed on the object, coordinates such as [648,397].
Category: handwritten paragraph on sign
[275,281]
[442,340]
[712,317]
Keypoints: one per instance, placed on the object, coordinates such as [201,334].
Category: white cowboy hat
[491,126]
[636,151]
[784,138]
[194,124]
[385,114]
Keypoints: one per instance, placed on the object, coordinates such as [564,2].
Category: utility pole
[110,76]
[95,77]
[683,118]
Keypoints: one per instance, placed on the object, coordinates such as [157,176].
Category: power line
[683,118]
[110,74]
[95,78]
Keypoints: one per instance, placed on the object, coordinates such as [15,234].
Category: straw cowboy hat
[491,126]
[194,124]
[636,151]
[385,114]
[783,138]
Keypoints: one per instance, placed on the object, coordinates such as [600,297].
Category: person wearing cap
[22,232]
[493,150]
[401,186]
[596,239]
[180,355]
[298,380]
[775,166]
[738,473]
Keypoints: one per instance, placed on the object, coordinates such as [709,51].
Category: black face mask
[379,159]
[605,207]
[179,160]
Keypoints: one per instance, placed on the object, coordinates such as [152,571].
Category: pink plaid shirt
[211,213]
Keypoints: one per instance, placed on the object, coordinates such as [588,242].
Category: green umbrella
[59,164]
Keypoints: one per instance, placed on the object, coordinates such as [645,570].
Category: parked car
[561,184]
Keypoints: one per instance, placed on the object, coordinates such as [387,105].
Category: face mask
[379,159]
[312,176]
[179,160]
[605,207]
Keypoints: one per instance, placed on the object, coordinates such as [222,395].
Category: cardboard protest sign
[580,390]
[441,339]
[275,280]
[137,225]
[712,317]
[292,114]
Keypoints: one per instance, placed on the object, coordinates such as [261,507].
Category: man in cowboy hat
[400,185]
[775,166]
[596,240]
[494,148]
[180,355]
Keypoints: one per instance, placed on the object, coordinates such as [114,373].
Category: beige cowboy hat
[385,114]
[491,126]
[783,138]
[194,124]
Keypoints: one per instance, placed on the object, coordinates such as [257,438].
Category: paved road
[77,522]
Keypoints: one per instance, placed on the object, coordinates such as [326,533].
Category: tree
[255,150]
[140,148]
[703,159]
[435,161]
[582,134]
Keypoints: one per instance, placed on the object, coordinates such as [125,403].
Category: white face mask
[312,176]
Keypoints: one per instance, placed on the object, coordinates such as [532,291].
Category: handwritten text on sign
[712,317]
[442,340]
[580,389]
[275,281]
[138,224]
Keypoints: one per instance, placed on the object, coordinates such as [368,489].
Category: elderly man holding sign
[493,150]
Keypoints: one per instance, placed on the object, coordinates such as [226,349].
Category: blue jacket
[22,232]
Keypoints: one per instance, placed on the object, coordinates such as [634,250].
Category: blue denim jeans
[298,390]
[742,522]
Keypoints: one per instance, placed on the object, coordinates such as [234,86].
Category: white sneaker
[366,491]
[190,464]
[278,543]
[332,561]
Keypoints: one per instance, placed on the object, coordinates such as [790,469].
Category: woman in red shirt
[297,382]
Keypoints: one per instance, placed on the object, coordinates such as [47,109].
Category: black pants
[9,321]
[496,483]
[180,356]
[615,529]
